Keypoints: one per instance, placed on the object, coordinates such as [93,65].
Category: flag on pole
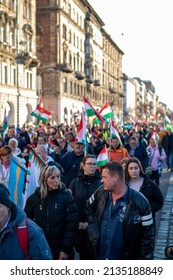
[5,123]
[114,132]
[155,135]
[102,158]
[17,180]
[167,120]
[82,133]
[90,111]
[105,112]
[35,165]
[41,114]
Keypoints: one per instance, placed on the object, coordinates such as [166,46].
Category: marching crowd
[100,213]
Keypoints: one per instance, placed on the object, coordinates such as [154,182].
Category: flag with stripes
[105,112]
[41,114]
[17,181]
[90,111]
[35,165]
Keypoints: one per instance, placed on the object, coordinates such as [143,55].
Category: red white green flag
[41,114]
[82,133]
[105,112]
[102,158]
[90,111]
[155,135]
[5,123]
[114,132]
[35,165]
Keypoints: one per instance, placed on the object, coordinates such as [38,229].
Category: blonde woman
[53,208]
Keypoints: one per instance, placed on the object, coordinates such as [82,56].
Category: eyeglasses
[91,163]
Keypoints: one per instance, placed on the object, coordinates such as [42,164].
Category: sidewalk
[165,232]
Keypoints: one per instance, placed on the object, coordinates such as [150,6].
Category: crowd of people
[99,213]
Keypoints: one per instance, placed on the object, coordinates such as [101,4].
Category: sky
[143,30]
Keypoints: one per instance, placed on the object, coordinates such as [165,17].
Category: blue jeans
[169,159]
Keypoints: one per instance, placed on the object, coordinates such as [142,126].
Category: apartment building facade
[78,58]
[18,60]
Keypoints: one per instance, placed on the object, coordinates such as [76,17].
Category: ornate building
[18,60]
[78,58]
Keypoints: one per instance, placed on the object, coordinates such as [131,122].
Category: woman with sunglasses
[88,180]
[53,208]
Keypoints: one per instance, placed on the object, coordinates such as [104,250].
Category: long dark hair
[137,161]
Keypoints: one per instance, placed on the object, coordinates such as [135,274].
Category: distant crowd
[105,212]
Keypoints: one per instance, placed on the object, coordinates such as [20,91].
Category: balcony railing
[79,75]
[65,67]
[112,89]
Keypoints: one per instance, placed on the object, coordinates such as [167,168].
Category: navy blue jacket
[10,248]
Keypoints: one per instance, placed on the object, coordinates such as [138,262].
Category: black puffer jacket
[57,216]
[153,193]
[138,238]
[82,188]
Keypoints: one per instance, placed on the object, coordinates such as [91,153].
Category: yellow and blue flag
[17,181]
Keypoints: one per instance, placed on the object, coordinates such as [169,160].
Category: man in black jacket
[120,219]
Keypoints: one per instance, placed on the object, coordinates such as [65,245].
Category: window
[71,87]
[81,45]
[74,39]
[12,37]
[65,85]
[30,11]
[13,75]
[77,42]
[64,31]
[69,9]
[64,56]
[4,73]
[70,36]
[11,4]
[74,62]
[28,79]
[70,59]
[25,9]
[74,88]
[3,32]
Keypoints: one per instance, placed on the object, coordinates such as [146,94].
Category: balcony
[96,83]
[121,94]
[27,59]
[79,75]
[112,89]
[89,80]
[65,67]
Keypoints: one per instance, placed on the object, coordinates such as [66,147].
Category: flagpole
[84,130]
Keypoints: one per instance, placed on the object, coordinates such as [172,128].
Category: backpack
[22,234]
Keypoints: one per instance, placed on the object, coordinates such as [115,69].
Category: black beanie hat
[5,196]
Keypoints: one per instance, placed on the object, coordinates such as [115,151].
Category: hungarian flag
[41,114]
[35,165]
[105,112]
[102,158]
[82,133]
[5,123]
[154,135]
[114,132]
[90,111]
[167,120]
